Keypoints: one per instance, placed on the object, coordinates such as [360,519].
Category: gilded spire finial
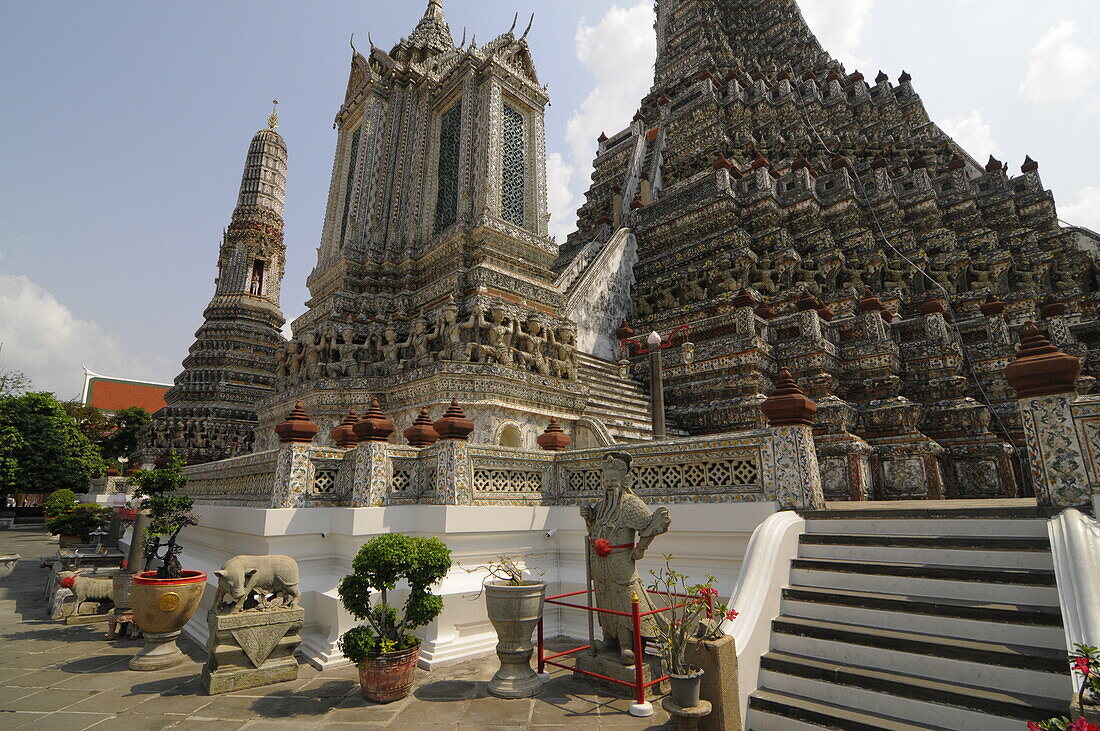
[273,120]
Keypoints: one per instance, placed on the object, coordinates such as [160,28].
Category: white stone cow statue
[266,575]
[86,589]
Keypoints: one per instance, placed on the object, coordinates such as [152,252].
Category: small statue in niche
[620,530]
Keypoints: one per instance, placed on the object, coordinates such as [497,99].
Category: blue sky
[125,126]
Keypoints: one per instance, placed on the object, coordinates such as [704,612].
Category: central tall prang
[433,276]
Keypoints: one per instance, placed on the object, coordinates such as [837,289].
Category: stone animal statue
[265,575]
[86,589]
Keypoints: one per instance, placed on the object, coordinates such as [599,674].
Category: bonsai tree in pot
[385,649]
[515,606]
[59,501]
[164,600]
[689,610]
[75,525]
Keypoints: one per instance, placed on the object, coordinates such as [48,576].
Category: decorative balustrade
[744,466]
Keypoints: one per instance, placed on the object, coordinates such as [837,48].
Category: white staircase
[622,404]
[916,619]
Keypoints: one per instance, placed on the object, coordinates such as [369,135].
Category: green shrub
[168,515]
[379,566]
[81,521]
[59,501]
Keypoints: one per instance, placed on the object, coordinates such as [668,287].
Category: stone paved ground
[60,678]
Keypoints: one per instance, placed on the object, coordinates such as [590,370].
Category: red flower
[602,547]
[1081,665]
[1032,726]
[1082,725]
[731,615]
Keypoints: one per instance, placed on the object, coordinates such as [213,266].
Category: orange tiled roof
[111,394]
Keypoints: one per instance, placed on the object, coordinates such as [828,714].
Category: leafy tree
[13,383]
[46,446]
[59,501]
[91,421]
[123,428]
[168,515]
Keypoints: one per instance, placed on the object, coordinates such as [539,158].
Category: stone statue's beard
[610,508]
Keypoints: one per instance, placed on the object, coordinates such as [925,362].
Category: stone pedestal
[718,660]
[251,649]
[688,719]
[608,664]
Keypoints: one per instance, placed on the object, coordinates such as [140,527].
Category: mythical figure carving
[620,530]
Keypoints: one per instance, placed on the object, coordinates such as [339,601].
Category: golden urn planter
[161,609]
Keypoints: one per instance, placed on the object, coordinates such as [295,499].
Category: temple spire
[435,10]
[432,34]
[273,120]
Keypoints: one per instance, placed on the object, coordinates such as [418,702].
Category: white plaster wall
[705,538]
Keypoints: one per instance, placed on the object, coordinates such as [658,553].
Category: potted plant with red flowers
[685,611]
[1085,661]
[164,600]
[385,650]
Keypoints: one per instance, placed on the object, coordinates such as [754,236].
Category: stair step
[941,511]
[1011,668]
[930,624]
[786,710]
[936,556]
[891,524]
[1022,614]
[988,700]
[1024,657]
[914,541]
[1021,577]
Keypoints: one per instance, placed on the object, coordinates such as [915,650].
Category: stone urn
[161,609]
[7,564]
[515,611]
[388,677]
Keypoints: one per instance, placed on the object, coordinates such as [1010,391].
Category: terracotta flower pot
[67,541]
[161,609]
[389,677]
[515,612]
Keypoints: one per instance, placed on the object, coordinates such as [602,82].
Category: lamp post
[654,345]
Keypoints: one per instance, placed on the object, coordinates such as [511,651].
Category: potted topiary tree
[385,650]
[164,600]
[60,502]
[73,526]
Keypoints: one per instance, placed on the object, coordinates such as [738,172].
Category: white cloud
[973,135]
[840,25]
[1060,70]
[1086,211]
[45,340]
[562,201]
[619,51]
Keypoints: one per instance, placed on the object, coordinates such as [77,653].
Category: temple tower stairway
[916,619]
[622,404]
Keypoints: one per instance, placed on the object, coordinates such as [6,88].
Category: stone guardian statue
[620,530]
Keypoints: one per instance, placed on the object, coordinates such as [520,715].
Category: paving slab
[59,677]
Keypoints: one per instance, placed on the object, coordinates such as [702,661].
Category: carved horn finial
[514,21]
[529,26]
[463,44]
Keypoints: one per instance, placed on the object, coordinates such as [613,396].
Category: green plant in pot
[77,524]
[59,501]
[385,649]
[690,610]
[514,605]
[164,600]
